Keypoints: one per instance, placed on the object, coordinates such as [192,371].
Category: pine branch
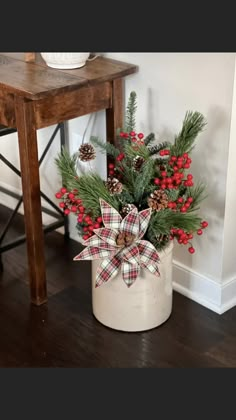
[197,193]
[131,151]
[162,221]
[130,112]
[125,169]
[142,180]
[108,148]
[172,194]
[66,165]
[158,147]
[91,187]
[193,124]
[149,139]
[125,197]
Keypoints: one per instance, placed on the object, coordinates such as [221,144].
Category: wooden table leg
[27,135]
[114,115]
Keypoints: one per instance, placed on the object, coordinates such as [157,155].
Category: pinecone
[138,162]
[125,239]
[158,200]
[114,186]
[86,152]
[126,209]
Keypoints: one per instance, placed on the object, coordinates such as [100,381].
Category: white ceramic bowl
[65,60]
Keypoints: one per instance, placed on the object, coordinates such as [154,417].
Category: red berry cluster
[111,169]
[164,152]
[136,138]
[71,203]
[180,162]
[183,237]
[180,204]
[172,175]
[174,181]
[89,225]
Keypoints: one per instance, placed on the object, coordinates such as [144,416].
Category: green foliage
[162,221]
[66,165]
[125,197]
[138,183]
[130,122]
[108,148]
[131,152]
[172,194]
[198,194]
[91,188]
[142,180]
[193,124]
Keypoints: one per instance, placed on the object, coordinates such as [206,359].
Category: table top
[35,80]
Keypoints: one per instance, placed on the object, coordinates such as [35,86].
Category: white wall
[167,85]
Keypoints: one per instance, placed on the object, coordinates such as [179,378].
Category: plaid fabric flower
[103,244]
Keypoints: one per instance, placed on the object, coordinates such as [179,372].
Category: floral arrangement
[148,199]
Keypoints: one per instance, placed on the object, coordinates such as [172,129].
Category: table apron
[61,107]
[69,105]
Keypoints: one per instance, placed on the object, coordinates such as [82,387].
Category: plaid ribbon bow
[103,244]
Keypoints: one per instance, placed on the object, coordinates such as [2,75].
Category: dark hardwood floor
[64,333]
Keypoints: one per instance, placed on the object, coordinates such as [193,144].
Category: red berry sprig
[90,224]
[181,162]
[70,200]
[184,237]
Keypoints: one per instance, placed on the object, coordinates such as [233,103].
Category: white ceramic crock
[144,305]
[65,60]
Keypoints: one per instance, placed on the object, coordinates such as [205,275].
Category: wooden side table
[34,96]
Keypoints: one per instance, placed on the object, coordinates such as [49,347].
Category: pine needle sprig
[131,151]
[172,194]
[162,221]
[198,194]
[130,122]
[128,175]
[125,197]
[108,148]
[193,124]
[142,180]
[91,187]
[66,165]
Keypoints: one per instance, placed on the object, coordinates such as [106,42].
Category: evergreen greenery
[156,168]
[193,124]
[106,148]
[91,187]
[130,122]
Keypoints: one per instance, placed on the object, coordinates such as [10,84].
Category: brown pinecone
[125,239]
[86,152]
[114,186]
[158,200]
[138,162]
[126,209]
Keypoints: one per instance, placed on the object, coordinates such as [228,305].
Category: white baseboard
[207,292]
